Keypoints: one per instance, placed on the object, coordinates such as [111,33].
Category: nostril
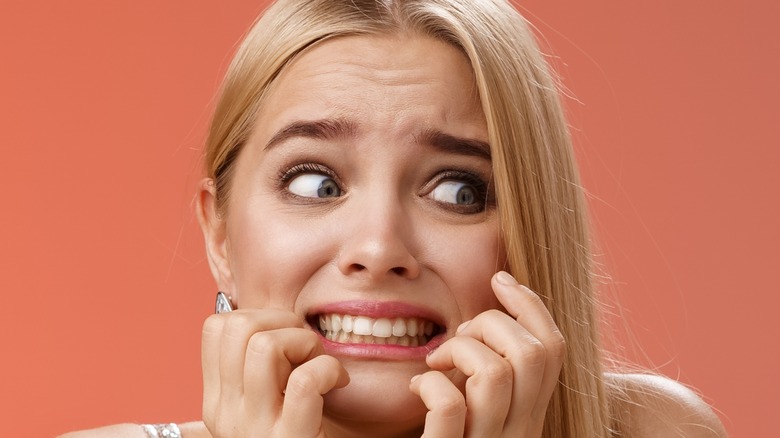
[401,271]
[356,267]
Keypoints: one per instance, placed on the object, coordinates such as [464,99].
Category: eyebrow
[330,129]
[324,129]
[455,145]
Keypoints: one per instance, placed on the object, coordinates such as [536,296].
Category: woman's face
[364,194]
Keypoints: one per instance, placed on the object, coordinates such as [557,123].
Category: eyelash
[484,198]
[287,174]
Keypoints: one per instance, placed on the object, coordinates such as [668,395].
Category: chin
[378,398]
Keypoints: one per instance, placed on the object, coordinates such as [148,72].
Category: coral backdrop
[103,108]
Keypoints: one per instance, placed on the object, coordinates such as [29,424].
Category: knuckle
[302,382]
[494,313]
[451,405]
[498,372]
[235,324]
[534,298]
[533,353]
[309,336]
[213,325]
[260,344]
[556,346]
[325,362]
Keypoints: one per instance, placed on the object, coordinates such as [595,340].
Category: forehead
[388,81]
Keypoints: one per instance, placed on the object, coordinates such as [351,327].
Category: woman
[376,170]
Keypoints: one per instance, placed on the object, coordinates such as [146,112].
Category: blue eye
[455,192]
[314,185]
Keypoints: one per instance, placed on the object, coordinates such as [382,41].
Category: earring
[224,303]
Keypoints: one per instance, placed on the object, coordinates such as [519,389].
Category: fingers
[529,310]
[489,377]
[251,359]
[512,364]
[270,359]
[303,396]
[446,406]
[238,329]
[224,343]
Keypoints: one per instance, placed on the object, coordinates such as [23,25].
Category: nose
[379,243]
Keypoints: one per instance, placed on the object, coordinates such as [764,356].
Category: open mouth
[350,329]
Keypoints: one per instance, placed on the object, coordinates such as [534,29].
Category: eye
[455,192]
[314,185]
[461,191]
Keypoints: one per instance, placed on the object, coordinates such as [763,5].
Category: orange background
[103,107]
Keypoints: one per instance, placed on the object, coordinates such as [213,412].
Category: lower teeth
[351,338]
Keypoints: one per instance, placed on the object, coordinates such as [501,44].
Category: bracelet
[165,430]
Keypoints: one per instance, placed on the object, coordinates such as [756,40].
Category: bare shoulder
[114,431]
[655,406]
[188,430]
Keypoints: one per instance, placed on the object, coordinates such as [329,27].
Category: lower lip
[380,351]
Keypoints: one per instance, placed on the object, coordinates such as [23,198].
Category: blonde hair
[540,203]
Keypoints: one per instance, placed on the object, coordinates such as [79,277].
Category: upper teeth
[378,327]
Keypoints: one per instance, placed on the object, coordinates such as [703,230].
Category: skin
[392,236]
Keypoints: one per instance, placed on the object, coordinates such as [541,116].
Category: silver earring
[224,304]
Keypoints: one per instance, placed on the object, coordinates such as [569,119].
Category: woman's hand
[511,363]
[264,375]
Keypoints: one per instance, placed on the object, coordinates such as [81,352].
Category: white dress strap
[165,430]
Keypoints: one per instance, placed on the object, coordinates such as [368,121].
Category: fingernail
[505,278]
[414,378]
[462,326]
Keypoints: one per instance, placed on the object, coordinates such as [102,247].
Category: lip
[378,309]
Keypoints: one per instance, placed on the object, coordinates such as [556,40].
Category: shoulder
[649,405]
[115,431]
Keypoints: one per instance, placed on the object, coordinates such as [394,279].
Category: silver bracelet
[165,430]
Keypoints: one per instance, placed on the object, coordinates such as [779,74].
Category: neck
[343,428]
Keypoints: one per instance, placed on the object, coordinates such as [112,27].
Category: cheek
[470,261]
[272,256]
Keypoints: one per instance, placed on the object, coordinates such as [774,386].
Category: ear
[214,230]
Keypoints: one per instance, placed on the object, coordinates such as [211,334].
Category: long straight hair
[540,201]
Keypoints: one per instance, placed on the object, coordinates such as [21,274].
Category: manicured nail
[462,326]
[414,378]
[505,278]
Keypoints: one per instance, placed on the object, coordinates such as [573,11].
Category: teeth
[346,324]
[399,327]
[335,323]
[362,326]
[382,328]
[428,328]
[408,332]
[411,327]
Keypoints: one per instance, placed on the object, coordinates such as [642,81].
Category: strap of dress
[165,430]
